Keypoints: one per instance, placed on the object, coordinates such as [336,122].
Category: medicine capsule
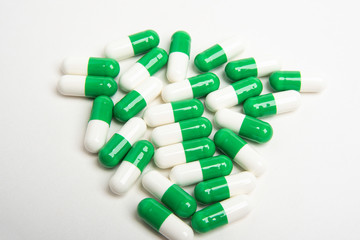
[294,80]
[99,123]
[239,151]
[173,112]
[180,153]
[218,189]
[194,87]
[249,67]
[243,125]
[86,86]
[173,196]
[233,94]
[219,54]
[204,169]
[120,143]
[132,45]
[179,56]
[145,67]
[131,167]
[136,100]
[221,213]
[272,103]
[163,220]
[92,66]
[181,131]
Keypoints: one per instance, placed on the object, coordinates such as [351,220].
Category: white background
[51,188]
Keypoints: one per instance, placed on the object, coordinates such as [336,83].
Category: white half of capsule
[75,65]
[169,156]
[177,66]
[312,84]
[133,77]
[177,91]
[133,130]
[156,184]
[225,118]
[124,177]
[266,66]
[167,135]
[287,101]
[95,136]
[232,47]
[159,115]
[120,49]
[241,183]
[72,85]
[150,89]
[175,229]
[236,207]
[222,98]
[187,174]
[250,160]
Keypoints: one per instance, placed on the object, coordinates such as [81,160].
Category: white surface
[133,77]
[186,174]
[287,101]
[226,118]
[124,178]
[241,183]
[156,184]
[150,89]
[72,85]
[51,188]
[96,135]
[232,47]
[177,91]
[236,207]
[222,98]
[265,66]
[250,160]
[133,130]
[177,66]
[312,83]
[119,49]
[169,156]
[75,65]
[159,115]
[166,135]
[175,229]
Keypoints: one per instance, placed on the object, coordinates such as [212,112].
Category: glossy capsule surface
[92,66]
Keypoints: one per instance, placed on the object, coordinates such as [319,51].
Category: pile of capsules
[180,132]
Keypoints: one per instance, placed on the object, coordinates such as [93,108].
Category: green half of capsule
[114,151]
[180,42]
[129,106]
[186,109]
[285,80]
[255,130]
[195,128]
[209,218]
[210,58]
[144,41]
[198,148]
[215,167]
[204,84]
[102,109]
[247,88]
[240,69]
[97,86]
[260,106]
[213,190]
[153,213]
[106,67]
[140,154]
[154,60]
[228,142]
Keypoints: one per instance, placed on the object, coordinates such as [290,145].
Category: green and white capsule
[295,80]
[233,94]
[179,56]
[222,188]
[172,112]
[163,220]
[243,125]
[99,123]
[145,67]
[120,143]
[221,213]
[198,171]
[180,153]
[131,167]
[272,103]
[86,86]
[239,151]
[181,131]
[136,100]
[132,45]
[251,67]
[105,67]
[173,196]
[194,87]
[219,54]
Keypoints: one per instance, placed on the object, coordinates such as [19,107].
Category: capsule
[86,86]
[163,220]
[234,94]
[181,131]
[132,45]
[198,171]
[294,80]
[120,143]
[137,99]
[249,67]
[219,54]
[179,56]
[145,67]
[99,123]
[243,125]
[218,189]
[173,196]
[272,103]
[239,151]
[131,167]
[172,112]
[221,213]
[194,87]
[180,153]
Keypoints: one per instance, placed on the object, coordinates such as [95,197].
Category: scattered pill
[295,80]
